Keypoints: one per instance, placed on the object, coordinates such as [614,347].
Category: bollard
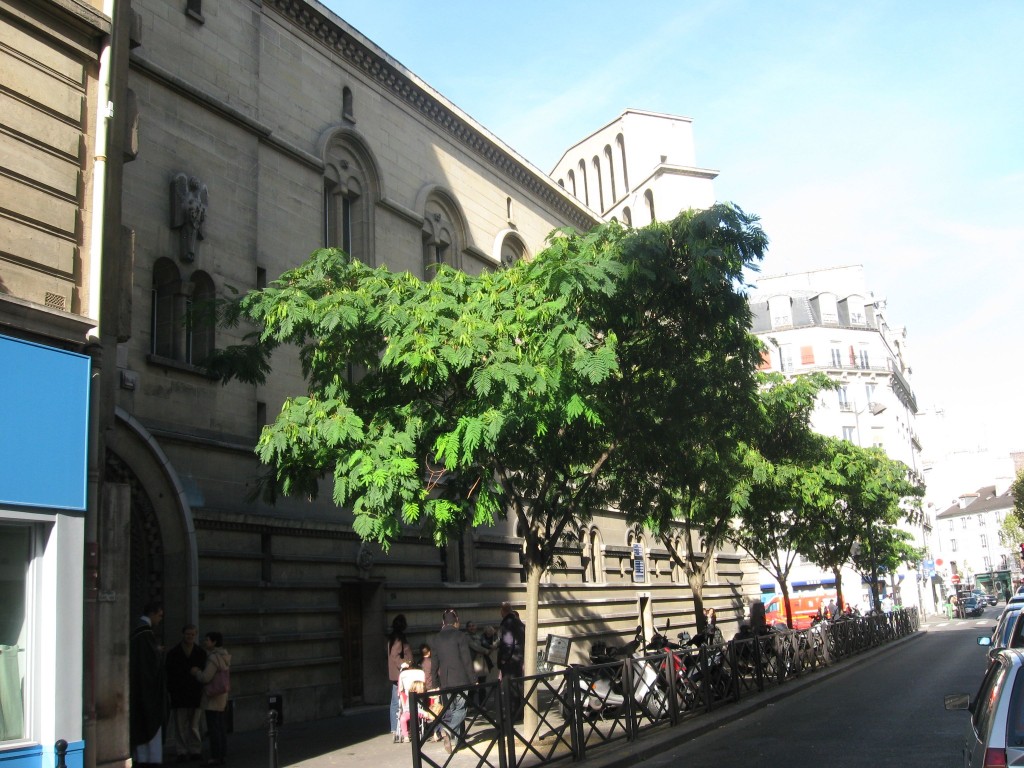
[272,739]
[62,750]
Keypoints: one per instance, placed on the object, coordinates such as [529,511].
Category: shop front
[44,409]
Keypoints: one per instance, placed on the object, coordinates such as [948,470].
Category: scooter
[601,689]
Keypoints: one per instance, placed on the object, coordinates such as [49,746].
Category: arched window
[167,312]
[509,213]
[611,172]
[347,111]
[512,249]
[649,199]
[600,187]
[443,232]
[621,144]
[595,568]
[350,191]
[583,181]
[202,320]
[627,217]
[572,184]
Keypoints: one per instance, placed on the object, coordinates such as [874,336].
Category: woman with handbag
[216,679]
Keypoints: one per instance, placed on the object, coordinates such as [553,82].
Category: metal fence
[569,719]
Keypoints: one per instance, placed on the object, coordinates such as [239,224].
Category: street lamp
[873,408]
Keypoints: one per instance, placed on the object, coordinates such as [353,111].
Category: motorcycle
[602,691]
[692,674]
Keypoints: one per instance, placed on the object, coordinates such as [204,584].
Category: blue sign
[44,425]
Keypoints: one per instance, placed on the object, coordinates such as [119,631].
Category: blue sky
[877,133]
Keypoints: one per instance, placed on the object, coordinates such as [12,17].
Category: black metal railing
[568,714]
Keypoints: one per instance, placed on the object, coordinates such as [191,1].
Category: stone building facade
[243,135]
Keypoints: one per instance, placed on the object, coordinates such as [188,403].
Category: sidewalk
[361,739]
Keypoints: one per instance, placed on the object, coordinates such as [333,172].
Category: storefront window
[15,561]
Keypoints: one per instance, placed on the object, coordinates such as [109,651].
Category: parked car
[1016,600]
[1009,633]
[985,597]
[995,733]
[972,606]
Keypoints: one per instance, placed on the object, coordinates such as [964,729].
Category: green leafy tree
[878,495]
[537,391]
[836,530]
[787,481]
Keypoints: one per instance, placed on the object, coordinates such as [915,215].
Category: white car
[995,733]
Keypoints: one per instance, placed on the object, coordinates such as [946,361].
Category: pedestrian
[146,688]
[758,620]
[399,650]
[511,653]
[427,665]
[453,668]
[406,678]
[481,646]
[215,676]
[185,694]
[710,623]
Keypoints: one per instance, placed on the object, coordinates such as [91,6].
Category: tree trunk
[838,573]
[695,578]
[785,601]
[533,573]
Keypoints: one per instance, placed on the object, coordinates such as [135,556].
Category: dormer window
[780,309]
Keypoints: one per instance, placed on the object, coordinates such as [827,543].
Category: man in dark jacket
[185,693]
[453,668]
[146,676]
[511,643]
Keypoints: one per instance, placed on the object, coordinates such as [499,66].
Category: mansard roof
[986,500]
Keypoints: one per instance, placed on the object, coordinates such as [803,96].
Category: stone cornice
[393,79]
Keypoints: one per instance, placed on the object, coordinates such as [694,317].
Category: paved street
[886,711]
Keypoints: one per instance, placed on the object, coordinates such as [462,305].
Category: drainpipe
[104,113]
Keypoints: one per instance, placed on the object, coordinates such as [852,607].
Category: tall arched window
[600,187]
[350,191]
[347,111]
[167,311]
[621,144]
[572,184]
[583,181]
[595,568]
[627,217]
[202,320]
[611,172]
[649,199]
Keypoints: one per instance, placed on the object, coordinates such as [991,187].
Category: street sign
[639,567]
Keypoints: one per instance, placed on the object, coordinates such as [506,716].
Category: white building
[827,320]
[967,540]
[638,168]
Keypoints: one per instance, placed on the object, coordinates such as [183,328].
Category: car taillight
[995,758]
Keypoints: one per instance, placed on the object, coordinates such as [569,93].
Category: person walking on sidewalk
[511,642]
[399,651]
[185,693]
[453,668]
[216,679]
[147,688]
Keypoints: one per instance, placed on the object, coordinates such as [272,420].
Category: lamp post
[873,408]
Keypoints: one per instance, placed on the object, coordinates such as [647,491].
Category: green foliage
[547,389]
